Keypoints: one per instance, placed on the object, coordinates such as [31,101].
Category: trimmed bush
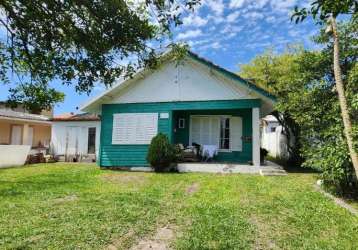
[160,153]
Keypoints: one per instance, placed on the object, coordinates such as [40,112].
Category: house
[18,126]
[191,101]
[272,137]
[22,133]
[75,136]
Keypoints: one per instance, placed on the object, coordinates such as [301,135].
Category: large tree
[81,42]
[273,72]
[304,84]
[326,12]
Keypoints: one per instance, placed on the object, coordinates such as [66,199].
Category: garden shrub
[160,153]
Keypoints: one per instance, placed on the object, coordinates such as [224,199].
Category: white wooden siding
[184,82]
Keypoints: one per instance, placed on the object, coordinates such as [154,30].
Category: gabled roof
[233,76]
[236,78]
[76,117]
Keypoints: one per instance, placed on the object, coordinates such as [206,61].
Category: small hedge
[160,153]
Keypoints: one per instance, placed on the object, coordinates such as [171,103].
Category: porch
[36,134]
[234,132]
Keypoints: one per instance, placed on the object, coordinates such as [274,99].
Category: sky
[226,32]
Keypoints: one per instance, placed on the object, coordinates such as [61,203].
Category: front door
[16,135]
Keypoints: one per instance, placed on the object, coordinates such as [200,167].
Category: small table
[209,151]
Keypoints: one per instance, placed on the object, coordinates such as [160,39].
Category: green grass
[67,206]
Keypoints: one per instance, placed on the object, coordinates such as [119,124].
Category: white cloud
[233,16]
[258,4]
[284,5]
[215,45]
[190,34]
[217,6]
[254,15]
[194,21]
[236,3]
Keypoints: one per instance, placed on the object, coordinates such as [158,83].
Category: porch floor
[269,168]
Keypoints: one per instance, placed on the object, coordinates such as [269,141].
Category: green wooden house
[194,101]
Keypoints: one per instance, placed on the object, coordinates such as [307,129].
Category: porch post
[25,134]
[256,136]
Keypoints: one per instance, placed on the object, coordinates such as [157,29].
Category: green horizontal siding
[135,155]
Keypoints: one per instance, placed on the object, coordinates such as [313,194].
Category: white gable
[188,81]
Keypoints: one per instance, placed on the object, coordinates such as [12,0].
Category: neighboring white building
[272,138]
[76,136]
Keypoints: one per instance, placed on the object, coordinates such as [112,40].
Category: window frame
[88,137]
[181,123]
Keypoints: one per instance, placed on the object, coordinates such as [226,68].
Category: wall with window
[115,150]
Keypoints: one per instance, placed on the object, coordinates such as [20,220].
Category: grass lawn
[67,206]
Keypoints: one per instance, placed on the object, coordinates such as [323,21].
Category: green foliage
[35,97]
[321,10]
[304,83]
[84,42]
[274,73]
[161,153]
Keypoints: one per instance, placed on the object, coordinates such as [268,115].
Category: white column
[25,134]
[256,136]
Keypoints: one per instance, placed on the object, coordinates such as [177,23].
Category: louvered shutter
[134,128]
[236,133]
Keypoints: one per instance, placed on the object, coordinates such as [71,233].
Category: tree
[273,72]
[85,42]
[34,97]
[304,84]
[326,11]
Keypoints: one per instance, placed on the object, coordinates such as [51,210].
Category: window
[224,133]
[91,140]
[134,128]
[273,129]
[181,123]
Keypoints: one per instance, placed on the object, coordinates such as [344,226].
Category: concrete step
[271,172]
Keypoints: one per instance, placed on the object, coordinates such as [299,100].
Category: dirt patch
[68,198]
[193,188]
[121,241]
[124,178]
[262,239]
[159,241]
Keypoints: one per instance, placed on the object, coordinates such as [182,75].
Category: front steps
[272,169]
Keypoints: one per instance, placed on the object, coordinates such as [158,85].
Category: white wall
[13,155]
[77,139]
[274,142]
[184,82]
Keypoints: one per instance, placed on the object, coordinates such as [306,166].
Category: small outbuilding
[75,137]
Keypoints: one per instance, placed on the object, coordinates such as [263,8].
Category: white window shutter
[236,133]
[134,128]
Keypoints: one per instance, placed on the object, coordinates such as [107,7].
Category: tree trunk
[342,98]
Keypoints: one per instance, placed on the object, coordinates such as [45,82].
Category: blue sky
[228,33]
